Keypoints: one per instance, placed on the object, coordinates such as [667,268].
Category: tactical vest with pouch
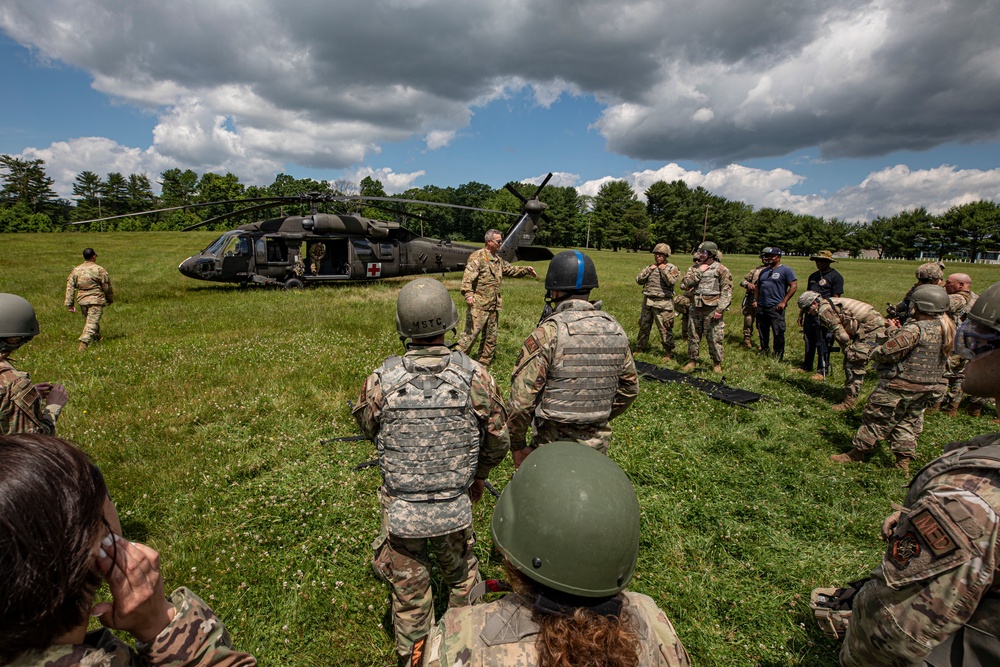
[583,379]
[924,364]
[428,444]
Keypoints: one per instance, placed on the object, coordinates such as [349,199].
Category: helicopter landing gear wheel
[293,283]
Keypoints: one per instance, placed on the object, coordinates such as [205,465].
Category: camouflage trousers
[954,373]
[703,326]
[749,317]
[485,322]
[664,319]
[895,415]
[855,367]
[92,327]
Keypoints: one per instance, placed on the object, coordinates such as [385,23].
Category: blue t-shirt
[773,284]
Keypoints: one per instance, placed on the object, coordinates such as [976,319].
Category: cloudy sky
[846,108]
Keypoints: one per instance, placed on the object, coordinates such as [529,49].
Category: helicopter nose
[187,267]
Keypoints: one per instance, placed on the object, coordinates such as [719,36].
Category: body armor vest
[583,380]
[656,288]
[710,284]
[16,396]
[924,364]
[428,439]
[977,643]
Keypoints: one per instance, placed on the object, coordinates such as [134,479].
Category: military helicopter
[293,251]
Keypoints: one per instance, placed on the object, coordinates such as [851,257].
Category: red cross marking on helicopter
[374,270]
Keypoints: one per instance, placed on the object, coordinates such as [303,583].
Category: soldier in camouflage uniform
[910,366]
[568,567]
[682,307]
[658,280]
[749,283]
[935,598]
[62,537]
[959,288]
[481,289]
[575,372]
[857,326]
[91,286]
[438,422]
[317,251]
[928,273]
[25,407]
[712,286]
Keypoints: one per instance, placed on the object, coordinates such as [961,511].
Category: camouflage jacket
[482,277]
[911,357]
[718,295]
[21,408]
[658,284]
[196,636]
[503,633]
[527,384]
[939,571]
[91,285]
[959,304]
[849,319]
[487,404]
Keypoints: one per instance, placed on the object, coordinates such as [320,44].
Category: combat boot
[903,462]
[934,407]
[748,344]
[81,347]
[952,409]
[853,456]
[975,410]
[717,368]
[819,377]
[668,357]
[845,404]
[689,366]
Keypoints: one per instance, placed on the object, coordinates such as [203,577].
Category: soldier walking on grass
[658,280]
[933,598]
[857,326]
[712,287]
[91,287]
[25,407]
[575,372]
[910,366]
[481,289]
[438,422]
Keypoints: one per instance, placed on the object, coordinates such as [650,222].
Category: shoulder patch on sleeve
[531,345]
[937,537]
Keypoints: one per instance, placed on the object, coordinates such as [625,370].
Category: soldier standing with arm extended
[827,282]
[658,280]
[775,287]
[910,366]
[575,372]
[749,283]
[481,290]
[712,287]
[438,422]
[935,597]
[25,407]
[857,326]
[91,286]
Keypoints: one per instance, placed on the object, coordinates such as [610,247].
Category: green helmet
[424,309]
[571,271]
[569,520]
[986,310]
[17,319]
[807,299]
[661,249]
[709,247]
[930,299]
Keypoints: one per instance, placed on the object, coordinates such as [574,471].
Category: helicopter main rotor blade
[232,214]
[175,208]
[511,189]
[424,201]
[544,183]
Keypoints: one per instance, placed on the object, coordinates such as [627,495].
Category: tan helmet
[17,320]
[709,247]
[661,249]
[930,299]
[807,299]
[930,272]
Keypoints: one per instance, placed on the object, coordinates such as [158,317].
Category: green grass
[205,404]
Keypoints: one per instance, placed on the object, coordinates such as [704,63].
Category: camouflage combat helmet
[930,272]
[661,249]
[424,309]
[569,520]
[931,299]
[17,320]
[807,299]
[571,271]
[986,310]
[709,247]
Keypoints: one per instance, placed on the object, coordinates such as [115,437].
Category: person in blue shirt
[775,286]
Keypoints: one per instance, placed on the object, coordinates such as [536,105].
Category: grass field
[205,404]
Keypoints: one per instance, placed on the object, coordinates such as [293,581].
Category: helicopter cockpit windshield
[215,248]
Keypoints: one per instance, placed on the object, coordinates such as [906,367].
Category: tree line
[615,218]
